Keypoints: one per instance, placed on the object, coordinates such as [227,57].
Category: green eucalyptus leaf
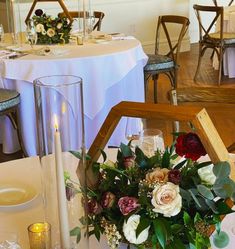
[75,231]
[160,230]
[185,195]
[221,169]
[211,205]
[204,191]
[221,240]
[224,188]
[194,197]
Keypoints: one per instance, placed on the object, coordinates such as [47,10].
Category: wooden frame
[196,115]
[61,3]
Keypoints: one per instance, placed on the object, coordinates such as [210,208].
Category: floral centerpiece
[169,200]
[51,30]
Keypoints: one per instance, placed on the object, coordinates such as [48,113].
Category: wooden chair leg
[199,62]
[146,79]
[155,79]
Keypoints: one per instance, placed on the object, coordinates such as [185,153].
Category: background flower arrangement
[51,30]
[161,202]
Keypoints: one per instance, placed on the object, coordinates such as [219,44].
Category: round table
[112,71]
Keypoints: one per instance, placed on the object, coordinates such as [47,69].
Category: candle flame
[56,122]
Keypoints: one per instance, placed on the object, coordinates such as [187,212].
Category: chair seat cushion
[229,38]
[8,99]
[158,62]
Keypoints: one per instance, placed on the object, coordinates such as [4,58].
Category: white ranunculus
[167,199]
[50,32]
[206,174]
[59,25]
[129,230]
[39,28]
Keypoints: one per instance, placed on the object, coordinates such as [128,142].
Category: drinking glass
[134,127]
[1,33]
[151,140]
[90,22]
[31,33]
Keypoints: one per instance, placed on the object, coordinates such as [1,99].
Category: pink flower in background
[128,204]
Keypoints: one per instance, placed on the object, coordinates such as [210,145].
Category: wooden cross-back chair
[98,15]
[217,101]
[168,63]
[217,41]
[216,4]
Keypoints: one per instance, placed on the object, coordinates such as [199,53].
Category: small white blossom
[39,28]
[206,174]
[129,230]
[59,25]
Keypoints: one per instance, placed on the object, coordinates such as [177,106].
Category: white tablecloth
[15,220]
[111,72]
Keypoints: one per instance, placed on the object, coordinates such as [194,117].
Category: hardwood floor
[225,123]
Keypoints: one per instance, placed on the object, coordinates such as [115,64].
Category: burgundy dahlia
[93,207]
[190,146]
[38,12]
[174,176]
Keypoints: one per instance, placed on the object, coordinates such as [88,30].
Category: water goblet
[31,33]
[90,22]
[151,140]
[134,127]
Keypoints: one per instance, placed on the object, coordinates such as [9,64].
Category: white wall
[132,17]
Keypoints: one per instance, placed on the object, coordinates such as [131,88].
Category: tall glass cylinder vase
[60,126]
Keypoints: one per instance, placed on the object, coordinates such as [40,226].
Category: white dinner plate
[16,194]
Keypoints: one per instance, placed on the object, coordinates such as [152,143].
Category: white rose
[206,174]
[44,32]
[129,230]
[59,25]
[50,32]
[167,199]
[39,28]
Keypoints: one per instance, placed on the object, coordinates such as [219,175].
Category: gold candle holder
[40,235]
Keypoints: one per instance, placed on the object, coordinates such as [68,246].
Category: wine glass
[134,127]
[31,33]
[1,33]
[90,22]
[151,140]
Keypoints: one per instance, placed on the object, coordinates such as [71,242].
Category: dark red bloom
[174,176]
[38,12]
[189,146]
[93,207]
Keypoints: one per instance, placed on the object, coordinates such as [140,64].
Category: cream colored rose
[44,32]
[206,174]
[167,199]
[157,175]
[59,25]
[39,28]
[129,230]
[50,32]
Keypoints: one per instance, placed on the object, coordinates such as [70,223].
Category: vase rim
[60,82]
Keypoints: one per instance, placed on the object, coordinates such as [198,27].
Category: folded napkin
[116,37]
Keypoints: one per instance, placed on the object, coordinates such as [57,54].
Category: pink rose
[108,200]
[129,162]
[128,204]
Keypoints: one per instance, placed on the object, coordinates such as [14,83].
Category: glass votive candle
[40,235]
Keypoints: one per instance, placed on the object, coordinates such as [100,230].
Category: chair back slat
[205,30]
[163,21]
[216,4]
